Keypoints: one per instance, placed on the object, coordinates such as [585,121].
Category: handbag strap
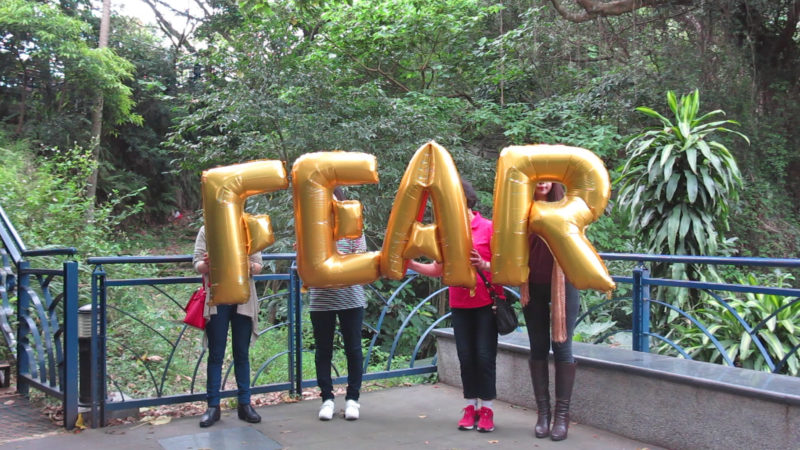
[492,293]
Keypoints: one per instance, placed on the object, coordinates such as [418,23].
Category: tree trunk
[23,101]
[97,111]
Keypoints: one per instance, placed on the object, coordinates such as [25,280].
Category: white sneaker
[351,410]
[326,410]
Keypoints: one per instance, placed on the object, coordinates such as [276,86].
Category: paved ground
[422,416]
[18,418]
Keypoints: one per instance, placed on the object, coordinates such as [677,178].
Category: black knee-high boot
[540,377]
[565,379]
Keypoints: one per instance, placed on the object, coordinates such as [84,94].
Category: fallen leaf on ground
[79,423]
[494,441]
[161,420]
[10,402]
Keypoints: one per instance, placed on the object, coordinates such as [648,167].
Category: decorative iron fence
[736,324]
[149,357]
[127,347]
[38,319]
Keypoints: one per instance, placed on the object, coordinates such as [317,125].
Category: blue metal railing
[644,336]
[38,319]
[722,297]
[137,358]
[111,311]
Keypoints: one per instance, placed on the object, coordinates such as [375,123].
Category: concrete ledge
[665,401]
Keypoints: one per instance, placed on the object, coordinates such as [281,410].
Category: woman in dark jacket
[548,294]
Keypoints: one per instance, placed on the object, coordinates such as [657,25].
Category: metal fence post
[70,344]
[290,332]
[295,297]
[641,309]
[23,303]
[97,365]
[296,327]
[636,296]
[644,317]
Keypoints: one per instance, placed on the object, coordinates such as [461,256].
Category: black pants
[324,323]
[537,318]
[475,331]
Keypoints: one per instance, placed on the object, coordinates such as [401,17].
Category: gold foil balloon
[431,171]
[347,219]
[562,224]
[259,232]
[320,221]
[231,234]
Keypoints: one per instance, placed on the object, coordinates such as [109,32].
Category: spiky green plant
[678,182]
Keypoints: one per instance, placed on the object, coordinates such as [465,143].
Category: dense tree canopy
[232,81]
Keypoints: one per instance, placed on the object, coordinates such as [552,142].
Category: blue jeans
[537,318]
[217,332]
[324,323]
[475,331]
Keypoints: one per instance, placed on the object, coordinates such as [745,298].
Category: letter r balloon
[562,224]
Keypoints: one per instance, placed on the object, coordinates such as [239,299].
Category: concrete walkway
[421,416]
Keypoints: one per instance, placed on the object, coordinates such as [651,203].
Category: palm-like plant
[774,319]
[678,183]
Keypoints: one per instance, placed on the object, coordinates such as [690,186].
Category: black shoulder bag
[504,313]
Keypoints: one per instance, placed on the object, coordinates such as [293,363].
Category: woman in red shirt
[474,324]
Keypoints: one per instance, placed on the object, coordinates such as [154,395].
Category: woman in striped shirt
[348,305]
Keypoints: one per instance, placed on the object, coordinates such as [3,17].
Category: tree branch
[592,9]
[168,28]
[788,32]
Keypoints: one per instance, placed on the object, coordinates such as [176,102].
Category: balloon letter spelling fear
[562,224]
[320,220]
[449,240]
[232,234]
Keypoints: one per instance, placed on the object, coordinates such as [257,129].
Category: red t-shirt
[481,240]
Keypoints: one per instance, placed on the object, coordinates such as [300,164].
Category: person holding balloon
[347,304]
[242,319]
[547,294]
[474,324]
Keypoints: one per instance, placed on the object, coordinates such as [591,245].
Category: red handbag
[194,309]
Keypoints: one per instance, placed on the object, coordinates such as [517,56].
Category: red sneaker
[468,421]
[486,420]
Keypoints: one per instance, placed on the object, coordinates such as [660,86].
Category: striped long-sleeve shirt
[334,299]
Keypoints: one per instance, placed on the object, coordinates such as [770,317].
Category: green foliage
[557,120]
[765,221]
[47,49]
[133,157]
[779,334]
[44,198]
[678,183]
[409,45]
[398,312]
[608,318]
[291,96]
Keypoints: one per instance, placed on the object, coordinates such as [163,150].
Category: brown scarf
[558,304]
